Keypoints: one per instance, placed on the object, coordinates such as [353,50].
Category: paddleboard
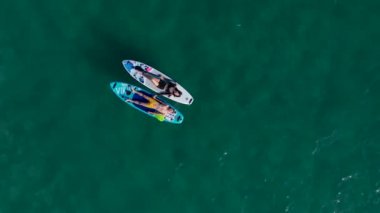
[133,67]
[124,92]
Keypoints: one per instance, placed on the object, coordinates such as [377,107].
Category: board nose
[113,85]
[128,64]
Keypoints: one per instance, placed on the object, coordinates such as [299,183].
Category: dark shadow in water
[106,50]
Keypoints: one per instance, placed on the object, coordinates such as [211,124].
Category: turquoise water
[286,115]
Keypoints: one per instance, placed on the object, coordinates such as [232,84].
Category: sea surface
[286,116]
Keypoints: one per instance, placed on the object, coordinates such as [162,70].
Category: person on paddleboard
[163,110]
[168,86]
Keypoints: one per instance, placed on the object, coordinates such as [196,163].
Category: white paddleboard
[141,76]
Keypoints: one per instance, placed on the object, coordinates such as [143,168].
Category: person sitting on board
[153,103]
[167,85]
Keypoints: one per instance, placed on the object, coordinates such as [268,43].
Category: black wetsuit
[161,84]
[167,85]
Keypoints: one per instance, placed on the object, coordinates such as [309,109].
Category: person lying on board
[163,110]
[167,85]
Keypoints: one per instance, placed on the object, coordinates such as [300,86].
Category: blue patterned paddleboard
[124,92]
